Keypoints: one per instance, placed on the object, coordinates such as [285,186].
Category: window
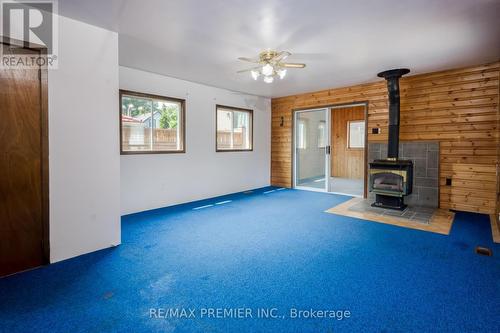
[234,129]
[151,124]
[301,135]
[356,134]
[322,134]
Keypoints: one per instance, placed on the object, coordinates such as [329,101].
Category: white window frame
[233,109]
[363,132]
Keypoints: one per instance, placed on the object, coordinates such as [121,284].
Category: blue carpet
[265,250]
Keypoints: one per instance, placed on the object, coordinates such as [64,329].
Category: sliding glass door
[311,149]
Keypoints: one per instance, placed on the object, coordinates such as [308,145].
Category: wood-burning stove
[391,179]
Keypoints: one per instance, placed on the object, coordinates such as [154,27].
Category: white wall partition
[159,180]
[84,162]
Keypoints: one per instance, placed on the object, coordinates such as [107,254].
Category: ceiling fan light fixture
[271,65]
[267,70]
[268,79]
[255,75]
[282,73]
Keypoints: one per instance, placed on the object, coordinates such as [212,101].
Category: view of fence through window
[151,124]
[234,129]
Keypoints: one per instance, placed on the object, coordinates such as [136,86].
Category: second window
[234,129]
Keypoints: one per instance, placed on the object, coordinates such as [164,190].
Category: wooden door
[23,168]
[346,162]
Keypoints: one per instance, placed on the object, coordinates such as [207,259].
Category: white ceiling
[343,42]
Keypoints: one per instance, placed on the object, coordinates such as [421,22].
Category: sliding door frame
[295,113]
[329,108]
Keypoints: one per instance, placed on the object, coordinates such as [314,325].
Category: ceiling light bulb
[267,70]
[255,74]
[268,79]
[282,73]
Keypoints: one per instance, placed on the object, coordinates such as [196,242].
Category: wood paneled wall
[346,163]
[458,108]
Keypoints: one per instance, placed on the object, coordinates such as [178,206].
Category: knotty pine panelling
[345,162]
[458,108]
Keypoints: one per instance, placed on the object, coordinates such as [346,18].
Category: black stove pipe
[392,76]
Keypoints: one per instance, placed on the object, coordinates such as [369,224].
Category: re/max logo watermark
[248,313]
[29,33]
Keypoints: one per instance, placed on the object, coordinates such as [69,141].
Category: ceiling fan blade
[248,70]
[281,56]
[292,65]
[313,56]
[255,61]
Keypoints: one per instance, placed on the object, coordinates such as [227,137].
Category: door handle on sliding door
[328,150]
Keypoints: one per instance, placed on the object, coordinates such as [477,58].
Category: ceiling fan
[271,64]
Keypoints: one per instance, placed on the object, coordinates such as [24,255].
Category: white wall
[159,180]
[84,158]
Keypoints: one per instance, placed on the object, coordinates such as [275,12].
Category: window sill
[151,152]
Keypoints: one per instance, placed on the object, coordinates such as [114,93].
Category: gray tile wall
[425,156]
